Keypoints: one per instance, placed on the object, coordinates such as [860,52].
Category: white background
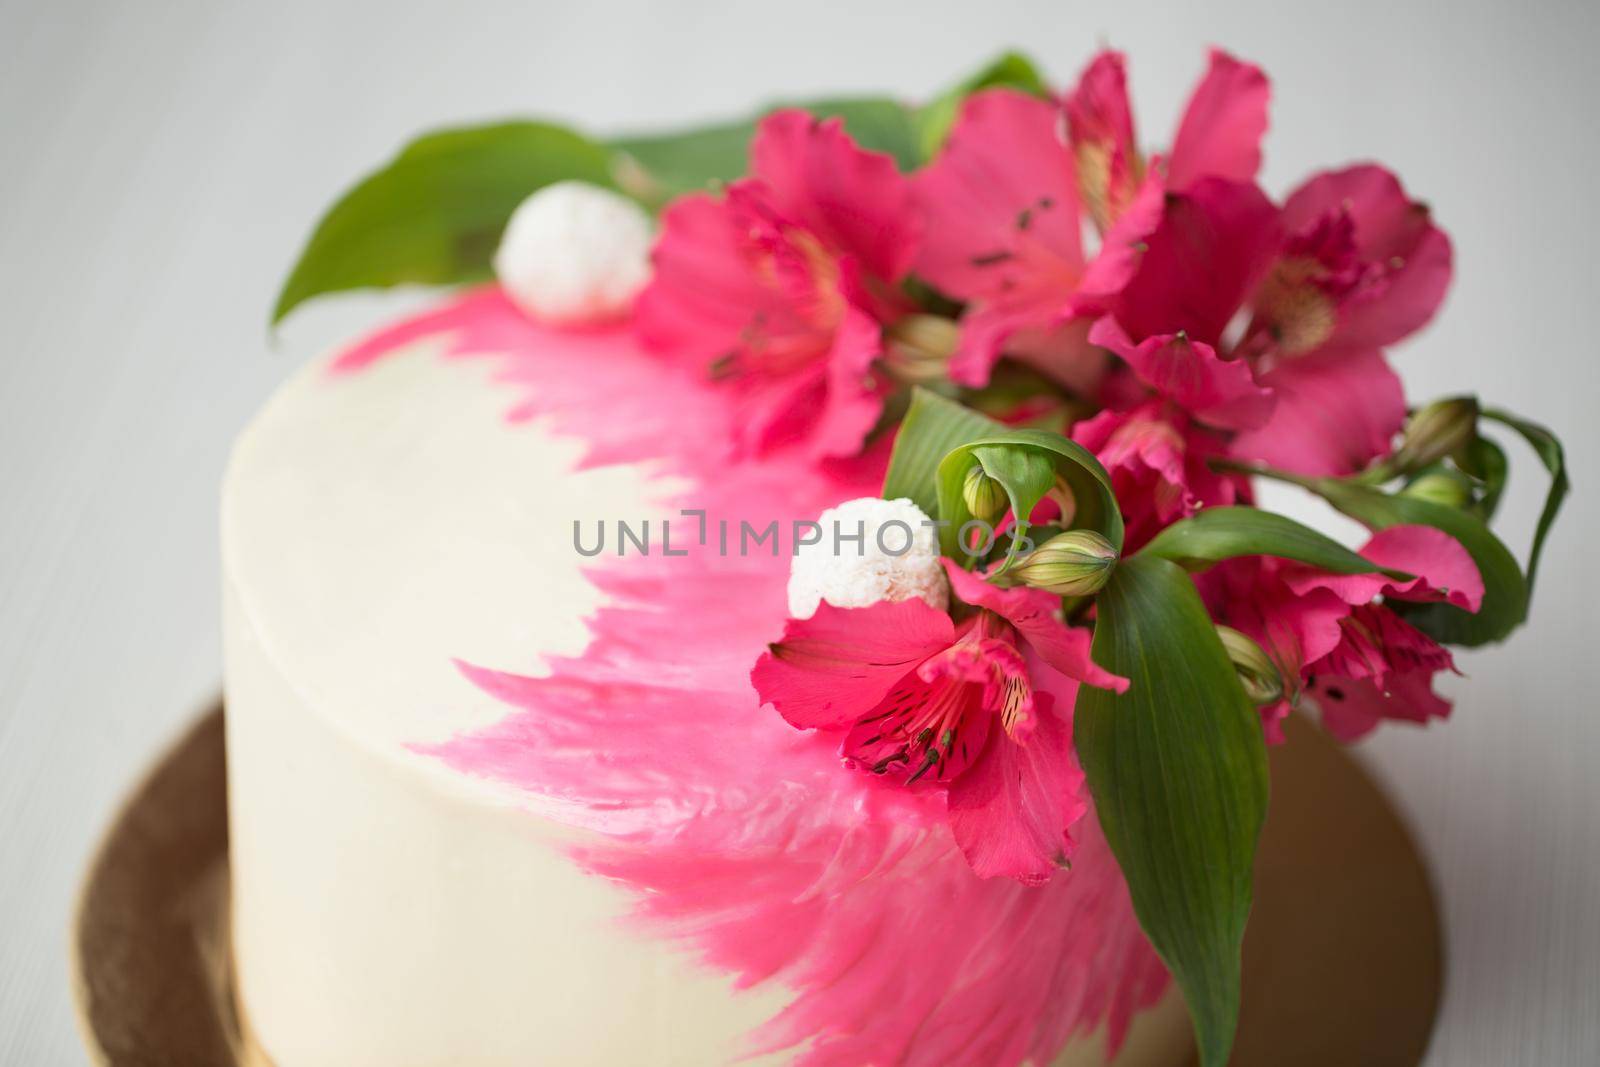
[160,163]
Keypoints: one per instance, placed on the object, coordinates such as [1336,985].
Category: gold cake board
[1342,962]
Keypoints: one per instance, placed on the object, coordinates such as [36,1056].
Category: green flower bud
[1076,563]
[985,497]
[1436,431]
[1262,682]
[919,348]
[1446,487]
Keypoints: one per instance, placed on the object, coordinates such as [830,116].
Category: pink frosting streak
[741,837]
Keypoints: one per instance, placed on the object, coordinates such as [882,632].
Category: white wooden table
[163,160]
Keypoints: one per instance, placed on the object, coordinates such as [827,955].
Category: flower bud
[1436,431]
[1262,682]
[919,348]
[1076,563]
[985,497]
[1446,487]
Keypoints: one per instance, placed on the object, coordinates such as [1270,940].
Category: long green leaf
[1178,769]
[434,214]
[932,428]
[1505,593]
[1216,534]
[1554,458]
[696,159]
[1012,70]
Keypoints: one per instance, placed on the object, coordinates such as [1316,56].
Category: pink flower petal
[869,746]
[1002,224]
[776,288]
[1378,644]
[833,667]
[778,410]
[1295,629]
[1100,128]
[1122,250]
[1352,707]
[1409,257]
[1220,135]
[1383,668]
[702,294]
[1064,354]
[854,401]
[1000,203]
[1046,317]
[1335,414]
[1444,570]
[1230,228]
[1011,810]
[1158,465]
[1221,392]
[1001,206]
[1033,613]
[988,325]
[856,202]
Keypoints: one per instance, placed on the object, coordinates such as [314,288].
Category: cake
[394,906]
[546,733]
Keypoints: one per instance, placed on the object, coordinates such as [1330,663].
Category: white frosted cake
[379,527]
[800,598]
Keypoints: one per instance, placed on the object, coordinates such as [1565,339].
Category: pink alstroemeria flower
[1004,201]
[1219,135]
[782,284]
[1156,456]
[1211,248]
[1362,266]
[1335,642]
[981,708]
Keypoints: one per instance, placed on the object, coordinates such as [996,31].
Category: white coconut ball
[896,558]
[574,253]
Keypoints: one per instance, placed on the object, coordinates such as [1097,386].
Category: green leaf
[1505,594]
[1216,534]
[1096,503]
[877,124]
[1485,462]
[689,160]
[1553,456]
[695,159]
[435,213]
[1178,770]
[1011,70]
[933,427]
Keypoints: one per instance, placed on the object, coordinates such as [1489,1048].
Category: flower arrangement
[1079,357]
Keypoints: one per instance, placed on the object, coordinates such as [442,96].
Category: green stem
[1018,531]
[1260,470]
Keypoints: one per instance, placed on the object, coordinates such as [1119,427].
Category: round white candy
[895,558]
[574,253]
